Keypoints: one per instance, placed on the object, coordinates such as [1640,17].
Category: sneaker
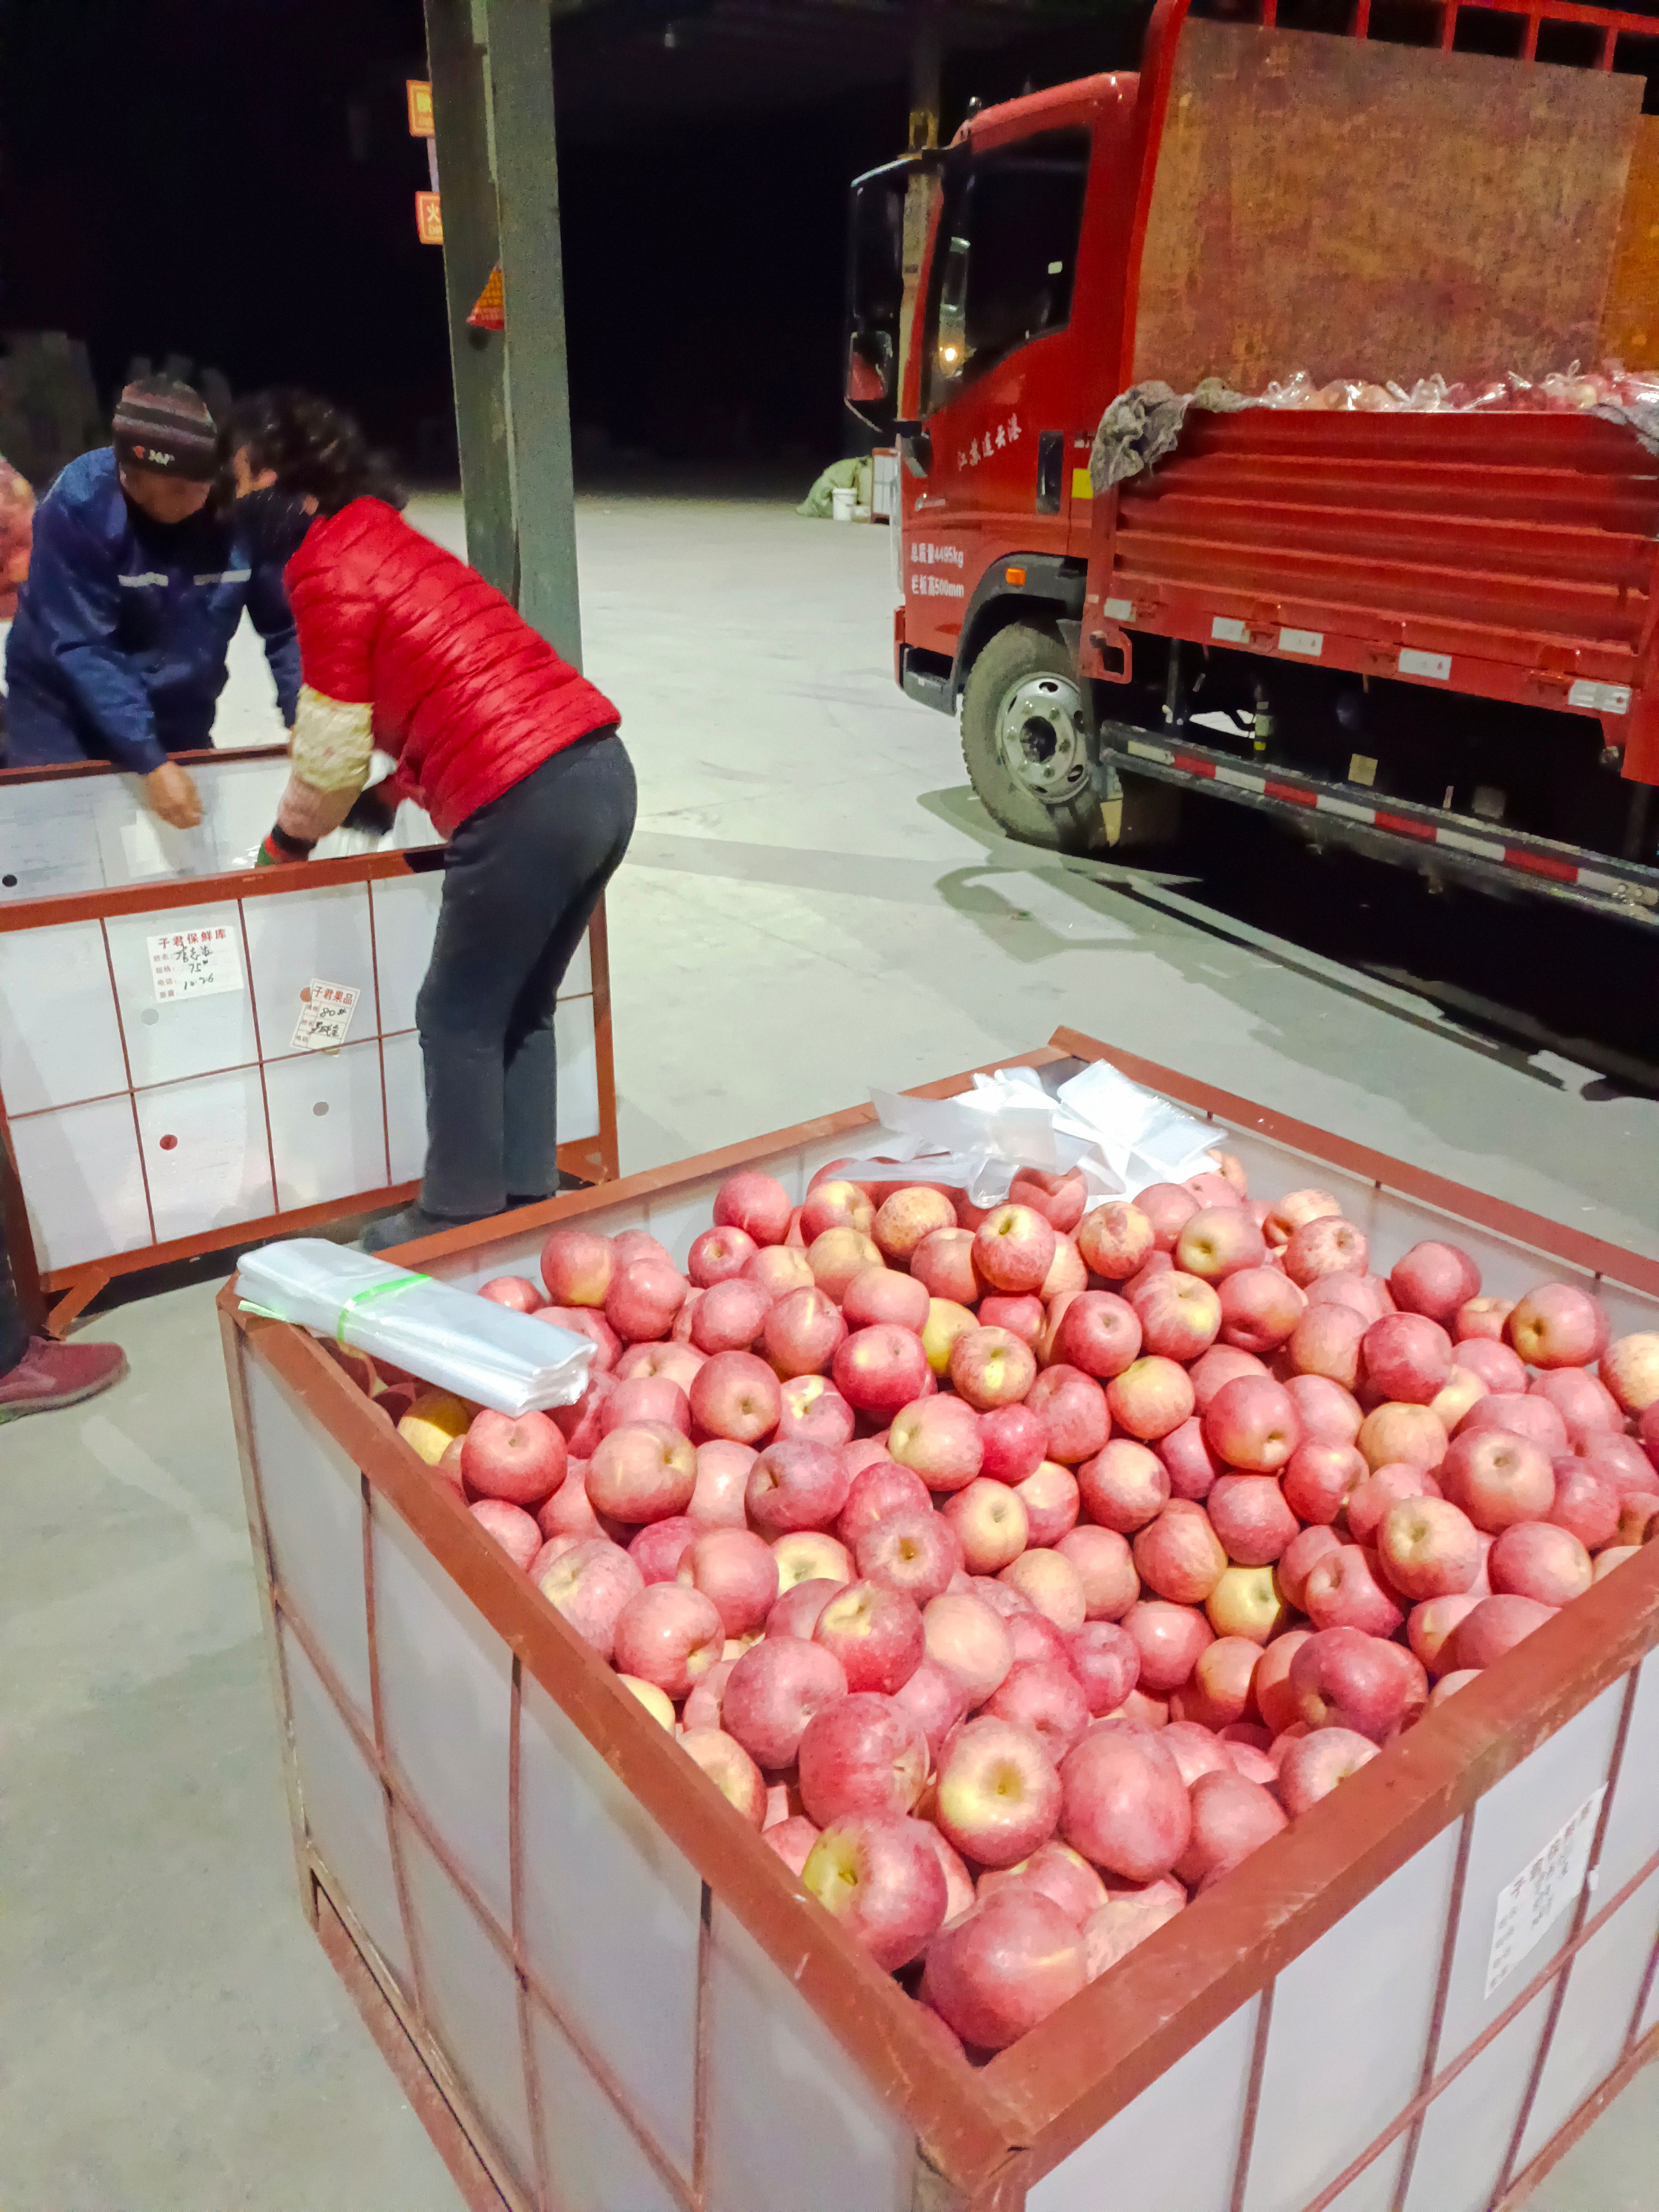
[51,1375]
[409,1223]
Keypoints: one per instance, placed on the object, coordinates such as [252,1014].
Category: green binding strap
[365,1298]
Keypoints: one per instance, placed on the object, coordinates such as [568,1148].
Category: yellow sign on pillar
[419,93]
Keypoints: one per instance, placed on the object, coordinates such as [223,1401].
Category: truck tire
[1023,741]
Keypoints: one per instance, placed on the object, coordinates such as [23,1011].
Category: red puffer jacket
[464,694]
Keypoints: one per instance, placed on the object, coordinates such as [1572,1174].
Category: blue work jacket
[118,648]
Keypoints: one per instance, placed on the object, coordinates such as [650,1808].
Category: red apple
[796,1613]
[998,1792]
[1394,1432]
[1168,1639]
[1287,1215]
[939,1438]
[1152,1397]
[1325,1341]
[719,1256]
[660,1362]
[773,1692]
[1345,1590]
[1055,1871]
[1219,1241]
[647,1398]
[520,1461]
[644,1471]
[512,1527]
[943,1264]
[1123,1804]
[801,1332]
[908,1216]
[879,1876]
[807,1555]
[1050,1495]
[569,1511]
[778,1269]
[1260,1308]
[755,1203]
[1251,1516]
[967,1637]
[1180,1316]
[1481,1317]
[811,1411]
[1630,1369]
[1194,1748]
[1169,1206]
[1231,1818]
[1098,1333]
[1498,1478]
[735,1396]
[881,1369]
[1435,1279]
[936,1700]
[668,1634]
[1072,1409]
[834,1204]
[995,1973]
[1179,1554]
[1218,1692]
[1430,1548]
[1314,1764]
[1341,1678]
[728,1316]
[860,1753]
[1124,1486]
[1270,1685]
[1557,1325]
[1536,1560]
[1405,1357]
[916,1553]
[515,1292]
[1326,1245]
[1586,1406]
[1586,1504]
[643,1299]
[1060,1198]
[731,1770]
[1496,1625]
[1190,1464]
[1252,1425]
[1328,1413]
[1115,1240]
[1213,1370]
[876,1633]
[1319,1479]
[722,1476]
[1044,1697]
[1104,1567]
[1297,1560]
[660,1546]
[1106,1660]
[1369,1503]
[1621,1460]
[1430,1627]
[990,1524]
[1049,1581]
[736,1569]
[883,1295]
[1494,1363]
[1013,1249]
[796,1486]
[577,1266]
[793,1841]
[1246,1602]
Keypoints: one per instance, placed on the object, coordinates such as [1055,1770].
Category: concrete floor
[814,902]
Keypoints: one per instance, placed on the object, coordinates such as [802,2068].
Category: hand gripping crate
[607,1995]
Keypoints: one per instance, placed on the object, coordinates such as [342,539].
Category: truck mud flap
[1396,830]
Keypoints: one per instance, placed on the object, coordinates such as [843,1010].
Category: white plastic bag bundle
[445,1336]
[1119,1134]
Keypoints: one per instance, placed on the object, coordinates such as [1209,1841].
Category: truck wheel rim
[1039,738]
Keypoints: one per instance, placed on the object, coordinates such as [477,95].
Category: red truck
[1416,617]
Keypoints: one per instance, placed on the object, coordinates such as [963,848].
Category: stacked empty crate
[1408,2002]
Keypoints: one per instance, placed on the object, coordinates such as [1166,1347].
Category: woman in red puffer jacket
[513,753]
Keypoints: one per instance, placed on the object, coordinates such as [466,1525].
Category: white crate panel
[405,919]
[1349,2028]
[190,1036]
[1512,1823]
[577,978]
[1467,2130]
[1633,1832]
[594,2163]
[792,2120]
[81,1175]
[327,1124]
[471,1996]
[1373,2190]
[59,1039]
[345,1809]
[611,1921]
[445,1699]
[1174,2148]
[294,935]
[48,844]
[313,1508]
[206,1153]
[1650,2018]
[1603,1982]
[405,1107]
[579,1071]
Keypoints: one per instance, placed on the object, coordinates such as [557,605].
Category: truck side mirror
[875,294]
[870,371]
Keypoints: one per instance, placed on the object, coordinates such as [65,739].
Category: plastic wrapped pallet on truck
[602,1991]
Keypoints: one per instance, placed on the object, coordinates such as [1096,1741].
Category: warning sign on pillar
[419,94]
[428,219]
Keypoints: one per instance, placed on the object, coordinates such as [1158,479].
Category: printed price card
[326,1012]
[194,963]
[1529,1906]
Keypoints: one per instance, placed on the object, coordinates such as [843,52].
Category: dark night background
[233,180]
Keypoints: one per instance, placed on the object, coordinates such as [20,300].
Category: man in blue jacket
[135,589]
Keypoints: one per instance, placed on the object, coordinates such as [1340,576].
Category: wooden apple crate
[605,1995]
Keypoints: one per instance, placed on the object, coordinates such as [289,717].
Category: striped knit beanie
[163,426]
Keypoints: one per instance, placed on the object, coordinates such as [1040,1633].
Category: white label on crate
[194,963]
[1310,642]
[1362,770]
[1529,1906]
[1413,663]
[326,1012]
[1120,609]
[1601,698]
[1229,631]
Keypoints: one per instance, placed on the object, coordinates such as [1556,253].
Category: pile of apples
[1017,1571]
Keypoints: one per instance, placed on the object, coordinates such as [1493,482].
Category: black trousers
[14,1329]
[521,878]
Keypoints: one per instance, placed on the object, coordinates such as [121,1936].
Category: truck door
[997,380]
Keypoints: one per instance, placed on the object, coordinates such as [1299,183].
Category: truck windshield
[1007,257]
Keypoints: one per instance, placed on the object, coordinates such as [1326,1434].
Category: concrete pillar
[492,103]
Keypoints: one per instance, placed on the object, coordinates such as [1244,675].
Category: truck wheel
[1023,741]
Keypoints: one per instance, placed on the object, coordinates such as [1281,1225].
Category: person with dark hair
[37,1374]
[135,588]
[515,755]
